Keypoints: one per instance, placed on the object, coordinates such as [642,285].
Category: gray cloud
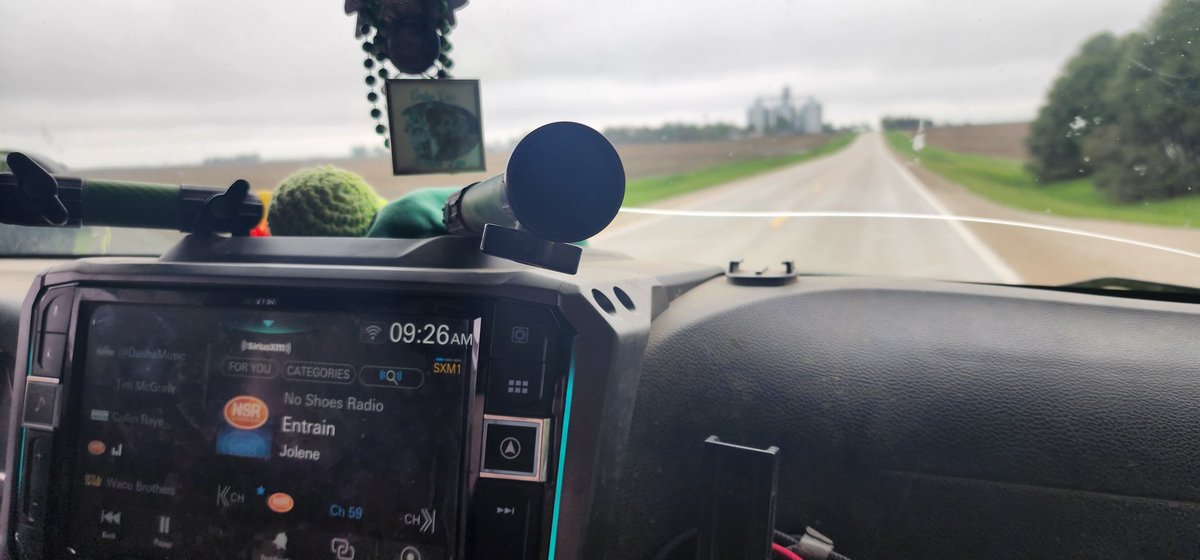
[91,82]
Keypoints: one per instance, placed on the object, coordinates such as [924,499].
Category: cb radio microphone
[564,183]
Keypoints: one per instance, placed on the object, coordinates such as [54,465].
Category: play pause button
[163,538]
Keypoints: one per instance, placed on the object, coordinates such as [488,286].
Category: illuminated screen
[234,433]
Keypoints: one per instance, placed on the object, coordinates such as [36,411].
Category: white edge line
[998,267]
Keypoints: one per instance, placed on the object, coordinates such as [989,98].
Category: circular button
[510,448]
[410,553]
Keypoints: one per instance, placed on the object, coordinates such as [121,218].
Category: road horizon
[868,177]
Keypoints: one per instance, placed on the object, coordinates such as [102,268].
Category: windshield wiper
[1131,288]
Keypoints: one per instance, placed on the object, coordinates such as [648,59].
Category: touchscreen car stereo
[288,424]
[211,427]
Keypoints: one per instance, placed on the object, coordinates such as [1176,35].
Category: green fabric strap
[130,204]
[415,215]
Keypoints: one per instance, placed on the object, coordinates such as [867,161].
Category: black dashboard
[930,420]
[379,399]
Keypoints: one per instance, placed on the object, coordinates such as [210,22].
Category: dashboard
[380,399]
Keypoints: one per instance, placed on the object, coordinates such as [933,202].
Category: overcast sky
[98,83]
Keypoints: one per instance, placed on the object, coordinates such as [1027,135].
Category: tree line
[906,123]
[673,132]
[1125,111]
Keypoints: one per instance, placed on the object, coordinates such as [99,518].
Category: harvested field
[644,160]
[267,175]
[996,140]
[641,160]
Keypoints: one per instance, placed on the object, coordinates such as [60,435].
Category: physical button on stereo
[56,310]
[52,348]
[517,388]
[37,466]
[522,332]
[506,520]
[515,448]
[41,403]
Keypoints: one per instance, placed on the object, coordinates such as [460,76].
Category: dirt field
[998,140]
[268,174]
[640,160]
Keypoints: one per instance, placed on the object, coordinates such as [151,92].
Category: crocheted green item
[323,202]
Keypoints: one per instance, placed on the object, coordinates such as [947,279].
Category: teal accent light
[562,456]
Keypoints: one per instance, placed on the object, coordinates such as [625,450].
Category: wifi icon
[372,333]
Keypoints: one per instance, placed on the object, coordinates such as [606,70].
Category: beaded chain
[379,68]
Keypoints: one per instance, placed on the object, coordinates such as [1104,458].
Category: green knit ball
[323,202]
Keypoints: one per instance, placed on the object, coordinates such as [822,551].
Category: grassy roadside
[1006,182]
[650,189]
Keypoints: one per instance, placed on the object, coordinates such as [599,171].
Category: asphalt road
[864,177]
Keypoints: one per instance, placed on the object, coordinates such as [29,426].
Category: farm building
[781,116]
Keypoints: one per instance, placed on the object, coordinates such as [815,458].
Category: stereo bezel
[598,353]
[315,299]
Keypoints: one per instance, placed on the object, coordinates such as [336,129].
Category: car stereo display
[247,433]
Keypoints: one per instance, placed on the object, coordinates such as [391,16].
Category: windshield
[1024,142]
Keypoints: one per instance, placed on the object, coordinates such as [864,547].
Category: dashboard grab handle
[31,196]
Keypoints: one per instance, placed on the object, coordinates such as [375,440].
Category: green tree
[1074,107]
[890,122]
[1153,150]
[671,132]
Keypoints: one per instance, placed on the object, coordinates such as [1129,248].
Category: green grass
[1006,182]
[650,189]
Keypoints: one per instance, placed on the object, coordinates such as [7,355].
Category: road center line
[717,196]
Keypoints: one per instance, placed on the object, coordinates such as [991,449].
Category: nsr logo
[246,412]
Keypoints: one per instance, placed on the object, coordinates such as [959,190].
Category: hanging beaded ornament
[403,37]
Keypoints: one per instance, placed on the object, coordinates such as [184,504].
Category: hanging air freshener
[436,126]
